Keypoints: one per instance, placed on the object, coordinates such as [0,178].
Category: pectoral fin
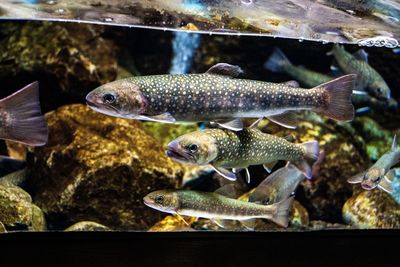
[269,166]
[180,217]
[165,118]
[247,175]
[234,125]
[385,185]
[225,173]
[250,224]
[287,119]
[356,179]
[225,69]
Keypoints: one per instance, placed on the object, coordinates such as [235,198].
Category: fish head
[121,98]
[380,89]
[197,148]
[372,178]
[162,200]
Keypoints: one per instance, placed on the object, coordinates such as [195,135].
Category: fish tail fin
[311,155]
[22,118]
[336,97]
[283,208]
[277,61]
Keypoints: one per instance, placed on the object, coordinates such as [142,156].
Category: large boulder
[372,209]
[98,168]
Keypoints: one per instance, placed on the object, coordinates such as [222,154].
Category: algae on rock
[98,168]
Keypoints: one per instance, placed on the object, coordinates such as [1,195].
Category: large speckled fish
[21,119]
[218,96]
[377,174]
[217,207]
[224,149]
[277,186]
[368,78]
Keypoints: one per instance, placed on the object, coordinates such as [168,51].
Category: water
[95,169]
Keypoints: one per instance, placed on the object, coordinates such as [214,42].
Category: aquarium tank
[199,115]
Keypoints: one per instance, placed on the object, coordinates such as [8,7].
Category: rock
[87,226]
[15,207]
[38,222]
[173,223]
[322,225]
[372,209]
[63,56]
[98,168]
[2,228]
[343,156]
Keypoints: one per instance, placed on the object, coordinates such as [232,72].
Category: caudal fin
[281,216]
[277,61]
[310,156]
[22,119]
[337,98]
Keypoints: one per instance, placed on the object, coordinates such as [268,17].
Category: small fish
[222,149]
[368,79]
[216,207]
[365,102]
[278,62]
[218,96]
[21,119]
[375,176]
[278,186]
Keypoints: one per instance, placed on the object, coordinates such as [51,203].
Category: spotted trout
[224,149]
[215,206]
[377,174]
[368,79]
[218,96]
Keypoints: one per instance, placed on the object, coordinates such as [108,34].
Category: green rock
[87,226]
[38,220]
[15,206]
[372,209]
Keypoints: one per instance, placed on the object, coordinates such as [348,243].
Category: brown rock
[38,222]
[15,206]
[98,168]
[87,226]
[372,209]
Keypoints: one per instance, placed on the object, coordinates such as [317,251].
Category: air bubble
[379,41]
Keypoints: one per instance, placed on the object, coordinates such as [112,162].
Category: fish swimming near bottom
[215,206]
[224,149]
[21,119]
[375,176]
[278,186]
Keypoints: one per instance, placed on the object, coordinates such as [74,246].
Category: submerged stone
[99,168]
[87,226]
[15,207]
[2,228]
[372,209]
[38,222]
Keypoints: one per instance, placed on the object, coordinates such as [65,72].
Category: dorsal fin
[361,55]
[225,69]
[292,83]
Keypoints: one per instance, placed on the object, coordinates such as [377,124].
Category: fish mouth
[106,109]
[366,186]
[148,201]
[179,155]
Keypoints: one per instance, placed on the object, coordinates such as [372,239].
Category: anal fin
[249,224]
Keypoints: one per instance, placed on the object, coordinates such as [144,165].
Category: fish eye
[109,98]
[377,179]
[159,199]
[193,148]
[266,201]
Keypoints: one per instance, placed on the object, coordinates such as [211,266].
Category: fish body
[375,176]
[21,119]
[277,186]
[222,148]
[368,79]
[215,206]
[218,96]
[278,62]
